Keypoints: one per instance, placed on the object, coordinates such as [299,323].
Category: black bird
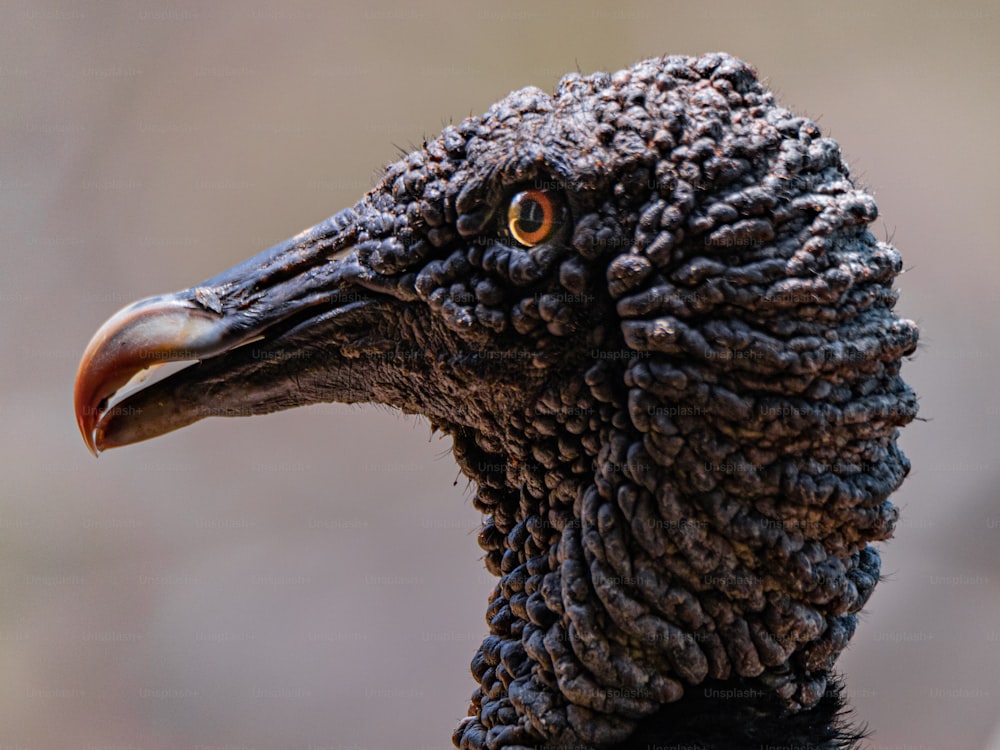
[649,312]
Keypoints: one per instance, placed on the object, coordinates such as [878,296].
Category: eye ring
[533,216]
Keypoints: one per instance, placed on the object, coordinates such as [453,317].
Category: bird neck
[531,469]
[616,597]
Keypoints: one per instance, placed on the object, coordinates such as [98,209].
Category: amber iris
[533,216]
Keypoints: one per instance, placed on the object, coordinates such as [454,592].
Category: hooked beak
[135,340]
[254,324]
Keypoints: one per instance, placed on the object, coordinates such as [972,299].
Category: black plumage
[650,313]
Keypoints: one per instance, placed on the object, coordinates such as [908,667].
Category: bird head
[650,313]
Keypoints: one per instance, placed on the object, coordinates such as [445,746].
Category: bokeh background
[311,579]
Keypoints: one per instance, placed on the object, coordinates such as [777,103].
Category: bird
[649,311]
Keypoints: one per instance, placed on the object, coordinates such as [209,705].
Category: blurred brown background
[311,579]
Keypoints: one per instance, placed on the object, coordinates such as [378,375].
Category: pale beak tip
[143,335]
[85,413]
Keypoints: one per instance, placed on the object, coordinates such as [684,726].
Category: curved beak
[269,301]
[134,341]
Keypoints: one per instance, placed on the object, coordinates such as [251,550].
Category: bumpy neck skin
[697,506]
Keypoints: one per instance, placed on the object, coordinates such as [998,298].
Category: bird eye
[533,216]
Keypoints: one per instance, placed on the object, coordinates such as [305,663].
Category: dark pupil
[532,216]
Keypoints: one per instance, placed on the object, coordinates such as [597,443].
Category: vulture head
[649,311]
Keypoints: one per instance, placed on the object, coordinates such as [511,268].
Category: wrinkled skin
[680,410]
